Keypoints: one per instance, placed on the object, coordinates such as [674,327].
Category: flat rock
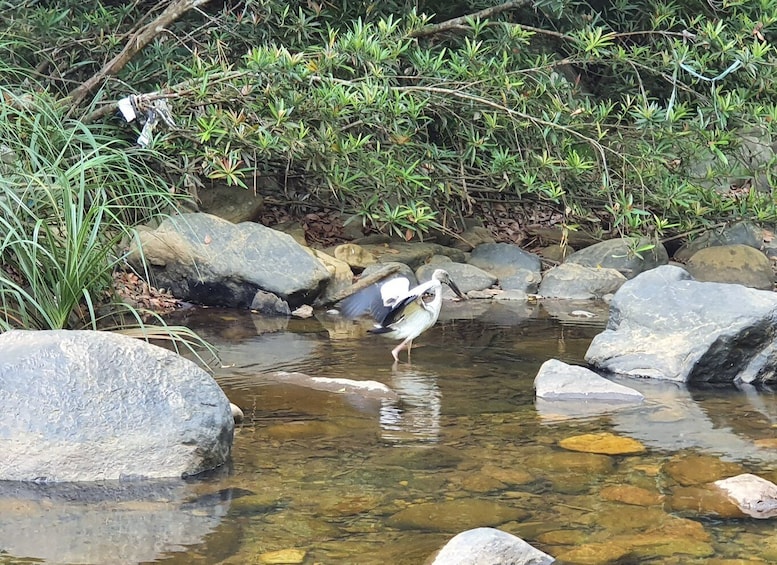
[617,254]
[454,515]
[203,259]
[93,406]
[604,443]
[557,380]
[489,545]
[736,264]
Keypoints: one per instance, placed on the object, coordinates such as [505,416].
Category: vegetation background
[625,117]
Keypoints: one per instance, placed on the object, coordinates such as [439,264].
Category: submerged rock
[489,545]
[604,443]
[454,515]
[93,406]
[755,497]
[665,325]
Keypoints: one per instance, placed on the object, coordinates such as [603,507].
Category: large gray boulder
[618,253]
[204,259]
[663,324]
[489,546]
[93,406]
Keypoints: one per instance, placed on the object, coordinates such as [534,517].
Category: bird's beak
[456,290]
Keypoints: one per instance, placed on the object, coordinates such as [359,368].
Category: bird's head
[443,276]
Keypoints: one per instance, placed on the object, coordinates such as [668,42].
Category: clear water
[321,477]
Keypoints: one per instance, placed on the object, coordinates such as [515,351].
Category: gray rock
[92,406]
[467,277]
[515,268]
[489,546]
[741,233]
[617,254]
[573,281]
[269,304]
[204,259]
[737,264]
[557,380]
[665,325]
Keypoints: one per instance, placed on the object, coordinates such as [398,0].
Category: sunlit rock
[489,545]
[604,443]
[90,406]
[283,557]
[754,496]
[557,380]
[665,325]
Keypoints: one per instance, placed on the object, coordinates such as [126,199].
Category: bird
[401,312]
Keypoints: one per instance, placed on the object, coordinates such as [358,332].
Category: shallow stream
[325,478]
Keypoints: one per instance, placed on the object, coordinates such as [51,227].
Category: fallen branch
[362,283]
[136,43]
[462,20]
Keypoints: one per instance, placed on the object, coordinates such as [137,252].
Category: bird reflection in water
[415,417]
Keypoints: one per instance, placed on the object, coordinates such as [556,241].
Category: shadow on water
[325,477]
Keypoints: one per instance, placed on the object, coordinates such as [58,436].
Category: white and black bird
[401,312]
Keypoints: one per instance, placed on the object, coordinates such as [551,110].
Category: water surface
[322,477]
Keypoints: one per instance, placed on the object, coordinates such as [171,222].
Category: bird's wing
[377,299]
[393,290]
[401,309]
[360,302]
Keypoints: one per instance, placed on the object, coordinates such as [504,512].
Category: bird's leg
[409,347]
[400,347]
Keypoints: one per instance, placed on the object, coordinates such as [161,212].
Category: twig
[136,43]
[461,20]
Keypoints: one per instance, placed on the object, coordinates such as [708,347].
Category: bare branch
[134,45]
[462,20]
